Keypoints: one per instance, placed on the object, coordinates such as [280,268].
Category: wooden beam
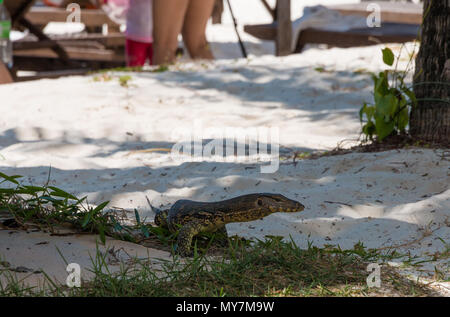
[91,18]
[74,54]
[284,28]
[110,40]
[36,64]
[42,37]
[387,33]
[265,32]
[18,8]
[390,11]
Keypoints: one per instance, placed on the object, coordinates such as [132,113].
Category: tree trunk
[430,120]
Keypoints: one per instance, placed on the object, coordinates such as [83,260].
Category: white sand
[88,132]
[30,256]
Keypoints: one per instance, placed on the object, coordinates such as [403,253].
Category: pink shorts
[138,53]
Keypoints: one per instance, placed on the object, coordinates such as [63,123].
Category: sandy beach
[106,141]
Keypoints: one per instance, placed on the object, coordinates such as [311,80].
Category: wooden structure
[279,31]
[17,10]
[394,12]
[387,33]
[400,23]
[91,18]
[54,56]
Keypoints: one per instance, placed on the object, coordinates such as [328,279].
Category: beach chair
[400,23]
[18,9]
[279,31]
[387,33]
[92,18]
[60,55]
[393,12]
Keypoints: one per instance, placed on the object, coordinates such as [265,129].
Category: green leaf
[86,220]
[369,111]
[403,119]
[117,226]
[399,100]
[362,111]
[136,214]
[369,128]
[144,230]
[101,232]
[383,128]
[31,189]
[60,193]
[388,56]
[381,87]
[7,190]
[53,200]
[82,199]
[10,178]
[387,105]
[411,95]
[99,207]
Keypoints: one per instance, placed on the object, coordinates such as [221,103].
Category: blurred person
[139,33]
[188,17]
[137,14]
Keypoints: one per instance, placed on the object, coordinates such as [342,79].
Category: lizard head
[277,203]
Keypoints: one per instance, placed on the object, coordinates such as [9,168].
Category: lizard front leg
[221,236]
[186,234]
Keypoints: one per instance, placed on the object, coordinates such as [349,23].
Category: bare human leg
[168,17]
[5,76]
[194,27]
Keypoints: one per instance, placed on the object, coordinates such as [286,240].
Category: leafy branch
[389,115]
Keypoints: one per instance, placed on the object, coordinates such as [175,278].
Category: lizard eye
[259,202]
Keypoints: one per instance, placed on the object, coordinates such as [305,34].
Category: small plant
[123,80]
[49,207]
[389,115]
[161,69]
[102,78]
